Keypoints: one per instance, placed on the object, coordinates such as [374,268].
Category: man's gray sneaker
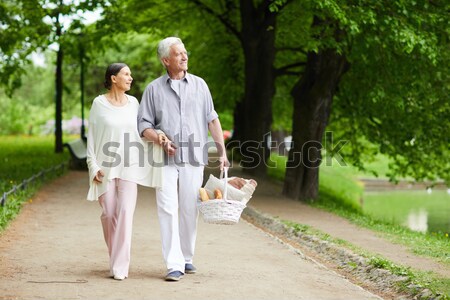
[189,269]
[174,276]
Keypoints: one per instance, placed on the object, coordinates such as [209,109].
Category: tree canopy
[373,73]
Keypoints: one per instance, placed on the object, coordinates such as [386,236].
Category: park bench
[77,149]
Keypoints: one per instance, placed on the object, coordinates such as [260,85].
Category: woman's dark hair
[113,69]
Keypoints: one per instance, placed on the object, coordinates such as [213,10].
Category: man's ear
[165,61]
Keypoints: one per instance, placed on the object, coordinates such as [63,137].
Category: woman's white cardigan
[115,146]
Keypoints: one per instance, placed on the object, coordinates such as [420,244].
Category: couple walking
[161,143]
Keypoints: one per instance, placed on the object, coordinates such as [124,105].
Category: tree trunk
[58,93]
[313,95]
[83,128]
[253,116]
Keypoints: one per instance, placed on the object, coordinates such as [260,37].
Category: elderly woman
[118,160]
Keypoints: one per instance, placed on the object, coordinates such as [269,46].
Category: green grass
[20,158]
[337,188]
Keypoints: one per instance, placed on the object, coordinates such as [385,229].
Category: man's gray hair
[164,47]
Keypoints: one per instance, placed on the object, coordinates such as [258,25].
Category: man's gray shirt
[183,118]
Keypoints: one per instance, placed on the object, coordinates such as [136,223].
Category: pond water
[417,220]
[417,210]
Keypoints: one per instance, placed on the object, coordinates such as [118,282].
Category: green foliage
[214,54]
[11,117]
[31,25]
[396,92]
[13,120]
[226,119]
[138,51]
[22,31]
[293,33]
[30,106]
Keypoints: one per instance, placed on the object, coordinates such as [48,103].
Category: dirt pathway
[55,250]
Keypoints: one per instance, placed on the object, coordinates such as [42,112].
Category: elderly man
[180,105]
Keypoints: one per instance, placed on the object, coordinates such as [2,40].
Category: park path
[55,250]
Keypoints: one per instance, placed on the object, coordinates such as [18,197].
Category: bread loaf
[203,195]
[217,194]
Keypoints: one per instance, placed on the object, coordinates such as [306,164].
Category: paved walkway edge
[344,261]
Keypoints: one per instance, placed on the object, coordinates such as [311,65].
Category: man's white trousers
[178,214]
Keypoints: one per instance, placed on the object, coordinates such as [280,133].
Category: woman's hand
[162,138]
[99,176]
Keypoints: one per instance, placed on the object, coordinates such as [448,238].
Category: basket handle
[223,172]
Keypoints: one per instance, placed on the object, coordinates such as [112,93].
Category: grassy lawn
[22,157]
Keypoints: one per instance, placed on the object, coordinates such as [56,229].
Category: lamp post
[81,52]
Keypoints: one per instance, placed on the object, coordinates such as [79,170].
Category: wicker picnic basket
[221,211]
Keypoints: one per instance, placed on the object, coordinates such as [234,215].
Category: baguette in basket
[203,194]
[218,194]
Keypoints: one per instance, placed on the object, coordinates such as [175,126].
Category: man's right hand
[223,162]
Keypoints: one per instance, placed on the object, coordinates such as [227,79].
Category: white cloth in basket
[248,190]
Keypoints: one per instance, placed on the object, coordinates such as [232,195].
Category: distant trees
[31,25]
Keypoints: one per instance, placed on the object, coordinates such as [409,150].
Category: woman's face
[123,79]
